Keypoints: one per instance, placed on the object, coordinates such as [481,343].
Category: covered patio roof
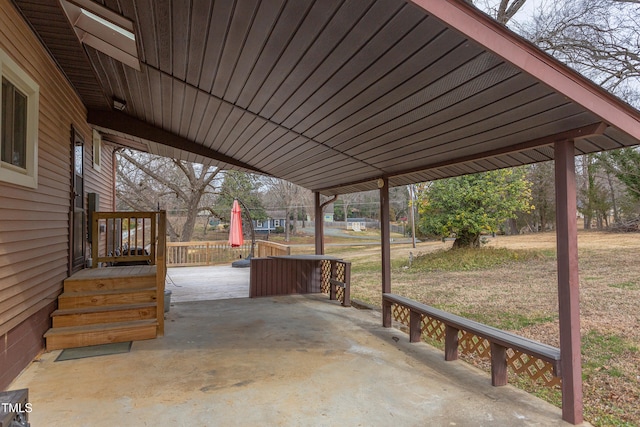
[333,95]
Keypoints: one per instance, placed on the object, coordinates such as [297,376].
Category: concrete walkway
[285,361]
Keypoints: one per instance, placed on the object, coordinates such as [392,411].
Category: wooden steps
[107,314]
[105,333]
[105,305]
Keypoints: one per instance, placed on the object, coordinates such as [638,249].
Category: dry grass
[521,296]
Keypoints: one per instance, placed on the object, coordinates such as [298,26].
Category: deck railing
[126,238]
[183,254]
[265,249]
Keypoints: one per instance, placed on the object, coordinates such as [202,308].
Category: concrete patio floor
[295,360]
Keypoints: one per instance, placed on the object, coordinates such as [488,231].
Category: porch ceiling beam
[481,29]
[126,124]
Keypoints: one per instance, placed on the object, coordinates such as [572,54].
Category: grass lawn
[512,284]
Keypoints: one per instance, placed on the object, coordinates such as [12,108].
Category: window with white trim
[18,125]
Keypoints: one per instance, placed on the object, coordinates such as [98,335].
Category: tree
[243,186]
[542,178]
[471,204]
[624,164]
[146,182]
[284,194]
[598,38]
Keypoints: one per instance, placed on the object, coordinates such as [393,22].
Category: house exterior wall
[34,222]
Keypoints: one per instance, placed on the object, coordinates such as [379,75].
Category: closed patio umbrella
[235,229]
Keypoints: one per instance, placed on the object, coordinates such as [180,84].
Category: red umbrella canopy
[235,229]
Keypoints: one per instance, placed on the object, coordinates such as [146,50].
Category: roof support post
[385,234]
[568,283]
[319,224]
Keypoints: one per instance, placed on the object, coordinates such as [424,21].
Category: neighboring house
[269,225]
[49,154]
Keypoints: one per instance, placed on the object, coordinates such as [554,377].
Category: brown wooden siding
[34,223]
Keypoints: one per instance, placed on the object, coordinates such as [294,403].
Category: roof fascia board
[497,38]
[120,122]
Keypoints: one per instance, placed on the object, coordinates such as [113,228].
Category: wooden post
[568,283]
[415,332]
[450,343]
[385,232]
[385,238]
[95,240]
[161,269]
[498,365]
[154,237]
[319,225]
[386,313]
[347,284]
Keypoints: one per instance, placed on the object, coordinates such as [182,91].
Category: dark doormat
[94,350]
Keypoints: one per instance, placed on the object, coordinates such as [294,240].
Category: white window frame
[28,176]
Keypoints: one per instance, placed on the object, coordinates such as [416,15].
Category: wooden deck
[107,305]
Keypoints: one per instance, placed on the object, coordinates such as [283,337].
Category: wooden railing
[183,254]
[505,350]
[126,238]
[265,249]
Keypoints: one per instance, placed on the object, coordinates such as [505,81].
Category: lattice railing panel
[478,350]
[325,287]
[432,328]
[472,344]
[340,271]
[537,370]
[401,314]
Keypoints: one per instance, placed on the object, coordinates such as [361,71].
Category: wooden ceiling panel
[348,62]
[246,122]
[322,46]
[241,22]
[414,112]
[319,15]
[483,138]
[261,30]
[270,136]
[275,46]
[373,82]
[243,135]
[454,115]
[407,79]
